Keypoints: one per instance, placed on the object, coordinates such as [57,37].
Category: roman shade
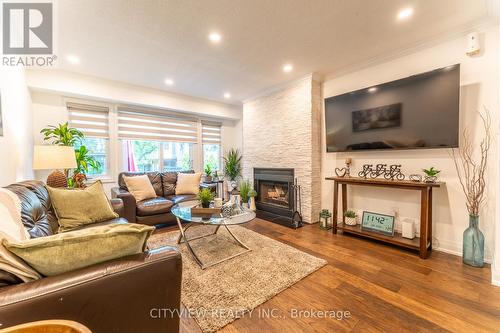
[136,124]
[91,120]
[211,132]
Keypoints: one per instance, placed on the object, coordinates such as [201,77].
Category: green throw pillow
[65,252]
[75,208]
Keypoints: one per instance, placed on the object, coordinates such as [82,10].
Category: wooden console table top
[384,182]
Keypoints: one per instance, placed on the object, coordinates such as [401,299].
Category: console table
[423,243]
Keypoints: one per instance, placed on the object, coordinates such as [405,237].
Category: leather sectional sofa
[151,211]
[115,296]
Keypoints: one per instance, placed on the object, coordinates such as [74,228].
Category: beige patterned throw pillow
[140,187]
[188,183]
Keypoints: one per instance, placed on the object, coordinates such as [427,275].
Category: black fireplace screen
[274,193]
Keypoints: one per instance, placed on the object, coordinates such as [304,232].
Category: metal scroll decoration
[391,172]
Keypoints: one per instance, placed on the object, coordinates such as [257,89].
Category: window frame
[115,153]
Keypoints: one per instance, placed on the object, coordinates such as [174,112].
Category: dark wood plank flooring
[384,288]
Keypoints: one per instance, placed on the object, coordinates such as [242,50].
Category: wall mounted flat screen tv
[420,111]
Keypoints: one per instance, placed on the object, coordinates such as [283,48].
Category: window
[143,155]
[211,136]
[157,141]
[93,122]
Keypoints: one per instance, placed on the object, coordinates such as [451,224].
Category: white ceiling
[144,42]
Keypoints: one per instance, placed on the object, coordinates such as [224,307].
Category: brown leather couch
[151,211]
[122,295]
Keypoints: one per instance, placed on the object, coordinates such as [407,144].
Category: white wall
[479,87]
[495,274]
[16,144]
[51,89]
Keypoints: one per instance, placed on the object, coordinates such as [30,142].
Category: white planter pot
[350,221]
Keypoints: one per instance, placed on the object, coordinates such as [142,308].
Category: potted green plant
[64,135]
[431,174]
[232,167]
[205,196]
[252,194]
[245,188]
[350,217]
[208,172]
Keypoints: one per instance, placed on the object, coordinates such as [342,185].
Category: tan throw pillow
[188,183]
[140,187]
[75,208]
[65,252]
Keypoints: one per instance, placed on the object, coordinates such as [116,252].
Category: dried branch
[472,173]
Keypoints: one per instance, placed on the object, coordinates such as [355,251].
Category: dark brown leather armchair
[122,295]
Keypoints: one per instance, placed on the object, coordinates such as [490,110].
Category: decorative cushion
[75,208]
[154,206]
[69,251]
[140,187]
[188,183]
[154,177]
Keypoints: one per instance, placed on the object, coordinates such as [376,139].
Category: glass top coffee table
[182,211]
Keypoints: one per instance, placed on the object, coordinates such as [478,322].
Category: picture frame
[380,223]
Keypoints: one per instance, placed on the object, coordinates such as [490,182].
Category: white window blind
[91,120]
[211,133]
[151,125]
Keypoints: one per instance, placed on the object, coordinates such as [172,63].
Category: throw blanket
[12,229]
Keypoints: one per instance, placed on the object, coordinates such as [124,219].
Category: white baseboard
[495,275]
[455,248]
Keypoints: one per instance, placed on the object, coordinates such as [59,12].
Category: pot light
[287,68]
[372,89]
[215,37]
[72,59]
[405,14]
[227,95]
[169,82]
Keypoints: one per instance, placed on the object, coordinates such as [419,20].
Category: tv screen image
[420,111]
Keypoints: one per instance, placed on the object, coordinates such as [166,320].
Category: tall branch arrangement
[471,169]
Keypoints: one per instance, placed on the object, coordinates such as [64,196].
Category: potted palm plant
[208,172]
[232,168]
[64,135]
[245,188]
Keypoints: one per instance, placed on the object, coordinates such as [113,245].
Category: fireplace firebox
[275,194]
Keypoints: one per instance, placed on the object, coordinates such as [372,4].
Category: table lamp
[54,158]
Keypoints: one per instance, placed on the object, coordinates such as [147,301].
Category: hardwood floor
[384,288]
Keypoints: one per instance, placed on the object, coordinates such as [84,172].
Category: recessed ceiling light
[72,59]
[169,82]
[215,37]
[405,13]
[227,95]
[287,68]
[372,89]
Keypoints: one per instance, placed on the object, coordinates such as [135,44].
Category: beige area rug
[220,294]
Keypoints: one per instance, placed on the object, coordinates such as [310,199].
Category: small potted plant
[252,194]
[208,173]
[350,217]
[205,196]
[245,188]
[431,174]
[232,168]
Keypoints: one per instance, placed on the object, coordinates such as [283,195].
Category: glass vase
[473,243]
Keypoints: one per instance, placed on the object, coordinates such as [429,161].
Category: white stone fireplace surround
[281,129]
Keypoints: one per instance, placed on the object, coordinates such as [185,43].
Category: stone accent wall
[282,130]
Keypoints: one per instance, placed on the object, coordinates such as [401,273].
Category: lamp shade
[54,157]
